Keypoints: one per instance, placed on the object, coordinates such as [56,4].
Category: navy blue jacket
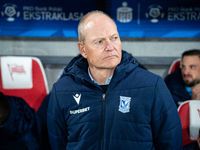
[136,112]
[20,129]
[176,86]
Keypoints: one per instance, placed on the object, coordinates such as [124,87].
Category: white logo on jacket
[73,112]
[77,98]
[124,105]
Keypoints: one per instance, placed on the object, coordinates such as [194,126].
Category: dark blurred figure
[18,126]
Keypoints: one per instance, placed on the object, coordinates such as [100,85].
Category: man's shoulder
[145,73]
[145,77]
[64,82]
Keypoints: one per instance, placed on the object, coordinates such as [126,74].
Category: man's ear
[81,48]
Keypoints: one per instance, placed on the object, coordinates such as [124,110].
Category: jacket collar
[178,85]
[78,67]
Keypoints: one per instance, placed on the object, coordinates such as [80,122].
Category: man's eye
[99,42]
[114,38]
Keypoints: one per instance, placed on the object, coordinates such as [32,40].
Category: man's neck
[101,75]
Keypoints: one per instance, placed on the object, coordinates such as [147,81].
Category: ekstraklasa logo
[10,12]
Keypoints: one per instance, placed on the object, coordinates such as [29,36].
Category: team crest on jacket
[124,105]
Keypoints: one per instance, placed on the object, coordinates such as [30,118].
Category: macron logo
[77,98]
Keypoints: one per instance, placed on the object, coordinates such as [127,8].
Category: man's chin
[189,83]
[111,64]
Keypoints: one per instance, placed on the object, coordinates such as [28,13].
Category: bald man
[104,101]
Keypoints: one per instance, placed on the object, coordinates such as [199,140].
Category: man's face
[190,69]
[102,47]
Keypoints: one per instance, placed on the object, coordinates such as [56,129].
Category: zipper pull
[103,97]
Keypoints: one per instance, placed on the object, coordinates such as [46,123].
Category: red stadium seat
[189,112]
[23,77]
[176,64]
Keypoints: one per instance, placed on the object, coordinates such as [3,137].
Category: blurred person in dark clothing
[18,126]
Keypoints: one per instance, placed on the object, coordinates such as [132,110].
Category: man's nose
[186,70]
[109,45]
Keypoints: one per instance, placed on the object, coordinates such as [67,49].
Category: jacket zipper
[103,121]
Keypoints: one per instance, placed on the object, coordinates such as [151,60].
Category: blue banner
[134,19]
[36,18]
[155,18]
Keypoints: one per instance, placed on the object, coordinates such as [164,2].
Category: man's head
[99,41]
[190,67]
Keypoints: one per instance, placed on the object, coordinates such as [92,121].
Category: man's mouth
[187,76]
[110,56]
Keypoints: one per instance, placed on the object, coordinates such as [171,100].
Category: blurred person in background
[184,82]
